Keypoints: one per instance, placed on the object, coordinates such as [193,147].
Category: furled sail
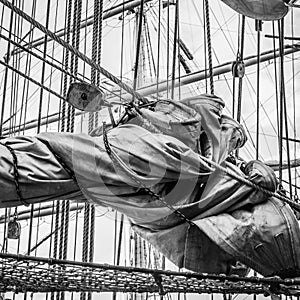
[203,219]
[266,10]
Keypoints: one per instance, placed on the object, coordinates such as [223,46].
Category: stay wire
[294,101]
[138,45]
[276,80]
[175,48]
[91,126]
[97,79]
[286,116]
[16,89]
[280,133]
[258,25]
[168,45]
[158,46]
[65,126]
[32,206]
[240,87]
[51,69]
[117,250]
[15,79]
[6,69]
[43,68]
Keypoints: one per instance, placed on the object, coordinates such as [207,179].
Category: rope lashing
[75,51]
[16,174]
[20,273]
[252,184]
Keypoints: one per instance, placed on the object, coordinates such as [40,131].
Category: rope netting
[22,274]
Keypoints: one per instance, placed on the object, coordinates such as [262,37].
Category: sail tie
[16,174]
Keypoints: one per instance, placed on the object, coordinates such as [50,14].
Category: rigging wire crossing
[76,52]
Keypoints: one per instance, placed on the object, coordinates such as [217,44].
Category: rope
[43,69]
[85,232]
[62,70]
[6,70]
[239,107]
[283,97]
[16,174]
[100,21]
[138,44]
[55,243]
[294,104]
[251,184]
[99,52]
[258,25]
[89,212]
[158,45]
[30,79]
[75,51]
[280,107]
[175,46]
[65,126]
[94,40]
[168,46]
[209,47]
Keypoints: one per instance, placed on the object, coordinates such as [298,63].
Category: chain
[252,184]
[118,161]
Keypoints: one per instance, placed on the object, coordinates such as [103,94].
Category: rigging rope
[175,47]
[43,68]
[66,61]
[242,42]
[92,207]
[147,124]
[6,69]
[294,106]
[283,101]
[209,47]
[89,213]
[138,44]
[258,28]
[75,51]
[158,45]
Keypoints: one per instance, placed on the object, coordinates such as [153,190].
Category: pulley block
[14,229]
[238,69]
[86,97]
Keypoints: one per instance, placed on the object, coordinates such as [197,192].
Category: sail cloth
[232,221]
[266,10]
